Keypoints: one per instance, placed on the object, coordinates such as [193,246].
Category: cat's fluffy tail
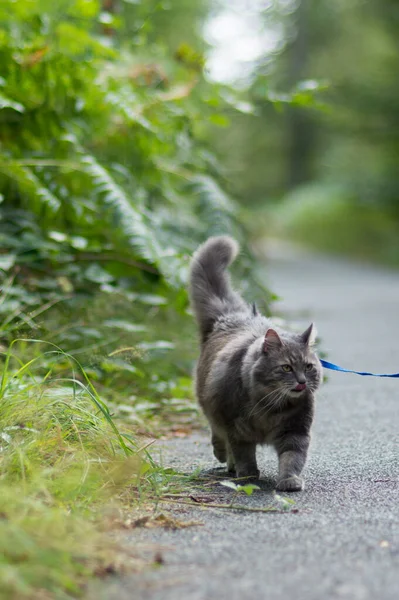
[210,289]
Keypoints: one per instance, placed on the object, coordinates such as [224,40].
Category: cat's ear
[308,337]
[272,340]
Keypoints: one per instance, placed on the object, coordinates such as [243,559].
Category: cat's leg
[231,467]
[292,455]
[222,451]
[244,456]
[219,447]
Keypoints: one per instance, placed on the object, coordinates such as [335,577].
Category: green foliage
[62,458]
[104,176]
[106,187]
[302,95]
[328,218]
[247,489]
[284,502]
[349,142]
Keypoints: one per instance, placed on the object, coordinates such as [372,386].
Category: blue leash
[328,365]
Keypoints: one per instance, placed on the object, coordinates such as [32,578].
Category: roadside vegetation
[109,180]
[106,187]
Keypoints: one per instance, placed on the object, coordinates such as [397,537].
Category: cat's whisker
[269,395]
[270,400]
[271,405]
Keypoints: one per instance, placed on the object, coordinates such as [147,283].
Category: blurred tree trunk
[300,124]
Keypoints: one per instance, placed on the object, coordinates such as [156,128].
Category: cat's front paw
[290,484]
[220,454]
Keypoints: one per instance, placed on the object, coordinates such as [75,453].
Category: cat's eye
[309,367]
[286,368]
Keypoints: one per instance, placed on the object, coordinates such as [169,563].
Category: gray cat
[255,382]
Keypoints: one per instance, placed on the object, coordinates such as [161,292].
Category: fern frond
[134,224]
[6,102]
[122,102]
[211,194]
[34,195]
[215,208]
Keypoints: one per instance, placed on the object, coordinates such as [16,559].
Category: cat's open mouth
[301,387]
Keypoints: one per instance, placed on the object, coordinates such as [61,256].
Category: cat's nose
[300,387]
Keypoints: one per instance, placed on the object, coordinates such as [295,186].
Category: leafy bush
[62,457]
[103,175]
[106,187]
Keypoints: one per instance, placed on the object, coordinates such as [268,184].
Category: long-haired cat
[255,382]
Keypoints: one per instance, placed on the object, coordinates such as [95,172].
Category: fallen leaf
[159,559]
[203,499]
[161,520]
[140,522]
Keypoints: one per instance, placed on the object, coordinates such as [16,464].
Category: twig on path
[268,509]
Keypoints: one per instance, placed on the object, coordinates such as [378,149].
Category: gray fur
[210,289]
[247,372]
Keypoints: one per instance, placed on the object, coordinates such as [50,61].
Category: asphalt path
[343,540]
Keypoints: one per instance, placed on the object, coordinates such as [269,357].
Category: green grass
[73,438]
[63,460]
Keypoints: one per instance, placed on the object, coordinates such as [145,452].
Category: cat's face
[287,368]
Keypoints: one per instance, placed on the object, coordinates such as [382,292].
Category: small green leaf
[57,236]
[248,489]
[98,274]
[7,261]
[117,364]
[152,299]
[219,120]
[125,325]
[285,502]
[312,85]
[78,242]
[8,103]
[158,345]
[105,18]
